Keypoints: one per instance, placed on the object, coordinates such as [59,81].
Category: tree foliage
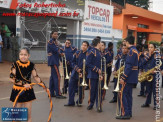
[139,3]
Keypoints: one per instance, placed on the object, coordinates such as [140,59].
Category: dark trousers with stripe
[54,84]
[115,93]
[72,89]
[127,99]
[151,88]
[94,92]
[142,88]
[109,71]
[66,81]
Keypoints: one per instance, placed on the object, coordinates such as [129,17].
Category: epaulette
[134,51]
[93,52]
[78,53]
[73,48]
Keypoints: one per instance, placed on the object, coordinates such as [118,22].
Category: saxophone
[121,69]
[146,76]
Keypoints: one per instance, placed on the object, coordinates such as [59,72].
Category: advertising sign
[98,19]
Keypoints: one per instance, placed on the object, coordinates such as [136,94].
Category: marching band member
[91,46]
[123,58]
[109,60]
[69,51]
[93,63]
[129,78]
[103,54]
[77,65]
[150,61]
[20,75]
[53,61]
[141,69]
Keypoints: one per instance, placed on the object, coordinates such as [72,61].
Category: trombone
[84,81]
[119,93]
[83,84]
[65,72]
[67,77]
[105,87]
[99,107]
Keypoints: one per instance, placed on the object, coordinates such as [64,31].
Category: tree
[139,3]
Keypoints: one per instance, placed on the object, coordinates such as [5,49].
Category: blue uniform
[93,63]
[109,61]
[142,68]
[53,61]
[77,63]
[121,59]
[130,78]
[150,62]
[69,52]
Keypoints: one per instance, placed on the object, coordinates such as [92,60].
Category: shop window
[143,26]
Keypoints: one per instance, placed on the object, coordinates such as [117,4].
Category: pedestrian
[20,75]
[5,35]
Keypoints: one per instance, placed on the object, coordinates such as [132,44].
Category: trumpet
[84,81]
[67,77]
[105,87]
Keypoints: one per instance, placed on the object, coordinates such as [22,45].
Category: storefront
[143,24]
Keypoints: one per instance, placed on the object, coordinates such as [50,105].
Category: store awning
[131,27]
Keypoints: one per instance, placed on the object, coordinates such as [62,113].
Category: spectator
[15,47]
[1,45]
[5,35]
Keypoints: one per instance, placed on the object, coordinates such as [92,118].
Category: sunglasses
[68,43]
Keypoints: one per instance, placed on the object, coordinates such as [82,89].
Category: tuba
[146,76]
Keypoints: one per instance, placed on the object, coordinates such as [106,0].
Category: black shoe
[126,117]
[61,97]
[89,107]
[78,104]
[69,105]
[140,95]
[145,105]
[123,117]
[99,110]
[53,96]
[154,108]
[130,116]
[113,101]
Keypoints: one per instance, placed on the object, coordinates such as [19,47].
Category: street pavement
[41,106]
